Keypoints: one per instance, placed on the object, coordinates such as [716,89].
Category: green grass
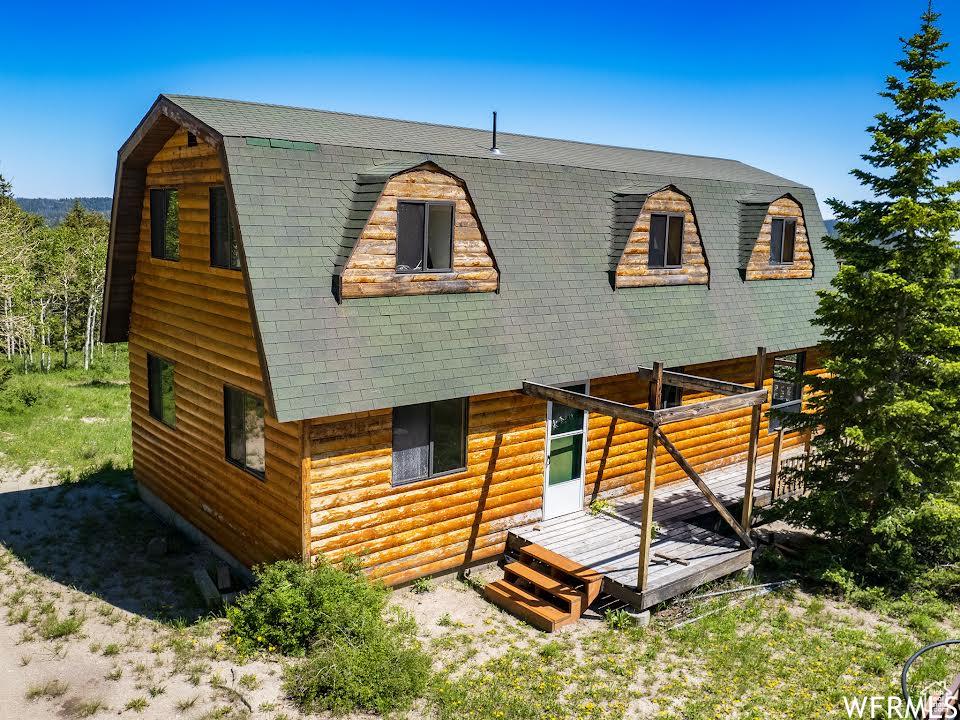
[75,421]
[777,656]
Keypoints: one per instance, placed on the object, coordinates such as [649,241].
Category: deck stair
[545,588]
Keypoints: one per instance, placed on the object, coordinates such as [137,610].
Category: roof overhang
[156,127]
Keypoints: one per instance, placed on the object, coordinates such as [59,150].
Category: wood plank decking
[683,555]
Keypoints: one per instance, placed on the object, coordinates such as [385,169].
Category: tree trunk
[66,330]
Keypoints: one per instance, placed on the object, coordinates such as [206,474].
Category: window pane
[565,419]
[566,459]
[789,239]
[160,392]
[447,435]
[171,246]
[776,241]
[658,240]
[158,213]
[233,422]
[411,437]
[787,387]
[253,433]
[675,241]
[223,242]
[153,386]
[440,237]
[671,396]
[410,222]
[168,407]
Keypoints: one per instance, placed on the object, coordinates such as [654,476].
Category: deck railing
[786,479]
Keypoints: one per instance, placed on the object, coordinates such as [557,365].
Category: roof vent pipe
[494,149]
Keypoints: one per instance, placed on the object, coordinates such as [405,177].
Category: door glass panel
[565,419]
[566,459]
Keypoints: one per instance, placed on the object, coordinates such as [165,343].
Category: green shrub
[384,672]
[292,606]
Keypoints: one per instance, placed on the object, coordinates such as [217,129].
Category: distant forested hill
[53,210]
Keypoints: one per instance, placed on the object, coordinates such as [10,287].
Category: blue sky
[786,87]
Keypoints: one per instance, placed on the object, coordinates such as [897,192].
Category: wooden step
[591,579]
[536,611]
[568,596]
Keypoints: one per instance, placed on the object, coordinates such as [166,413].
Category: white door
[565,458]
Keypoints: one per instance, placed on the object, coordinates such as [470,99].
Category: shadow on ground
[93,535]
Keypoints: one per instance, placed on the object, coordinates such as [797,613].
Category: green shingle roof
[548,208]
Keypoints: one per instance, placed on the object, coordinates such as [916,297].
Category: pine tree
[888,408]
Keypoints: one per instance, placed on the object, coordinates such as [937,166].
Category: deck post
[649,479]
[758,373]
[775,466]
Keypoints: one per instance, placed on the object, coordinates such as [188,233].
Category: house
[357,336]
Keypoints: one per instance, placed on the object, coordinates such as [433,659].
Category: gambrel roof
[301,181]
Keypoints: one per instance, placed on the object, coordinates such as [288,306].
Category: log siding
[759,266]
[401,533]
[198,317]
[371,270]
[633,270]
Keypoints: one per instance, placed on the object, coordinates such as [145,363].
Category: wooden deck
[684,555]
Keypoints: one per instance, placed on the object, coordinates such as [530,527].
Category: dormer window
[783,236]
[666,241]
[424,236]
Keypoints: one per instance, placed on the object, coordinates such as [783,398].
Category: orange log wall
[426,527]
[197,317]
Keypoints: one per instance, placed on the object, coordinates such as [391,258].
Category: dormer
[420,235]
[660,238]
[773,238]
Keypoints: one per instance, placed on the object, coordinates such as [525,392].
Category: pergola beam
[751,398]
[590,403]
[695,382]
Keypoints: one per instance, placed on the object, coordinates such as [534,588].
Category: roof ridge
[501,134]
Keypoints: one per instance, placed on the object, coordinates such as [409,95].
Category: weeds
[421,586]
[137,704]
[52,626]
[50,689]
[79,708]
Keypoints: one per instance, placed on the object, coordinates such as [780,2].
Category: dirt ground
[91,624]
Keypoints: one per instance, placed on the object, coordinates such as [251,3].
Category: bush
[355,658]
[384,672]
[292,606]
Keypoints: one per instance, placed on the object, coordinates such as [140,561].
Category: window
[666,241]
[160,390]
[671,395]
[224,252]
[787,395]
[783,235]
[165,224]
[429,439]
[424,236]
[244,430]
[191,140]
